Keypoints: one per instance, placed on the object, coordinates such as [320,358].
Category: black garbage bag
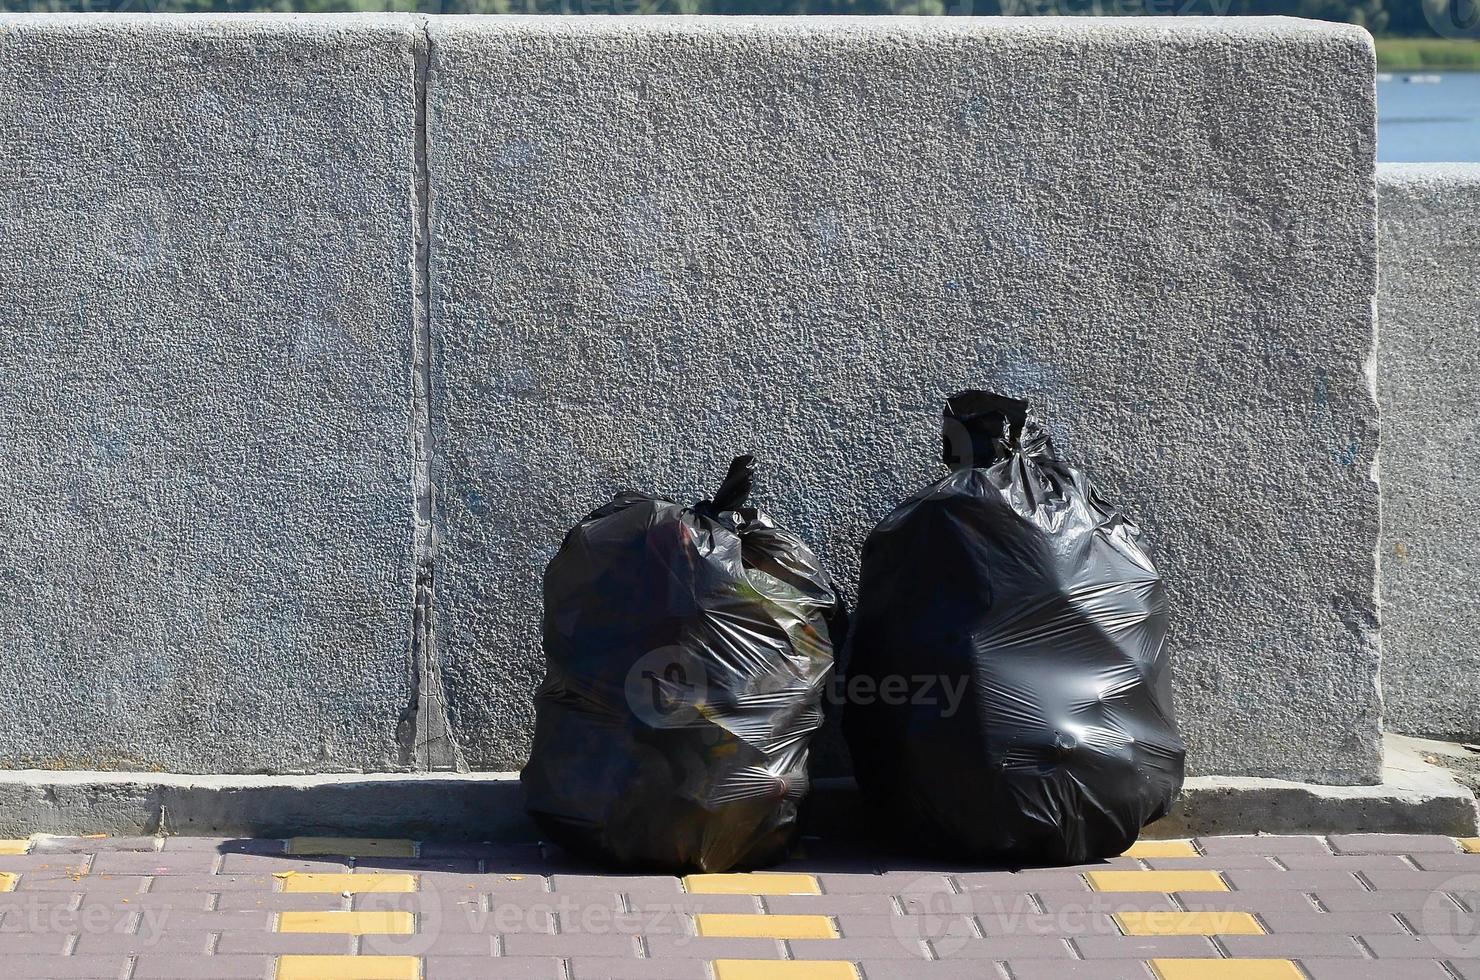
[1029,628]
[687,650]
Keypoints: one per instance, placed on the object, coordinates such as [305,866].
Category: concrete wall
[1428,370]
[658,243]
[206,326]
[649,245]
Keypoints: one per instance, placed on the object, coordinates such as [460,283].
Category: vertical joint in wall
[424,735]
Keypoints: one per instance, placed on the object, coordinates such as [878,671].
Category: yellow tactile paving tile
[15,847]
[1161,849]
[1167,923]
[1226,970]
[761,883]
[1470,844]
[355,884]
[379,923]
[7,882]
[1156,881]
[352,846]
[783,970]
[348,968]
[748,926]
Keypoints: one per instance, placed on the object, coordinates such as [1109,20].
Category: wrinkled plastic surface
[1012,582]
[687,652]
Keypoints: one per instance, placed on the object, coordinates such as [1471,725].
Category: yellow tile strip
[15,847]
[1156,881]
[384,923]
[355,884]
[1225,970]
[348,968]
[1162,849]
[1166,923]
[765,926]
[752,884]
[7,882]
[352,846]
[783,970]
[1470,844]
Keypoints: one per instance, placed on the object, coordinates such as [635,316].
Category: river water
[1428,116]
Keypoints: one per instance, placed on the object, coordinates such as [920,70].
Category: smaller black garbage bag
[687,649]
[1028,626]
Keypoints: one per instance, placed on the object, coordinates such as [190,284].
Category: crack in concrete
[423,731]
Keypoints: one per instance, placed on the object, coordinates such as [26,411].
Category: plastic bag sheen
[687,650]
[1019,586]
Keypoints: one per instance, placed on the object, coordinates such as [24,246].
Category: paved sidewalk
[1343,907]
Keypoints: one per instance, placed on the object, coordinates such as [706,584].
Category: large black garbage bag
[1029,627]
[687,650]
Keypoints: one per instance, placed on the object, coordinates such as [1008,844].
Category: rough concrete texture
[1428,308]
[1413,797]
[469,805]
[657,243]
[206,327]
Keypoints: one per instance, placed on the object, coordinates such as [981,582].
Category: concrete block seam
[423,732]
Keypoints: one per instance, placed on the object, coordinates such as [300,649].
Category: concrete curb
[1414,797]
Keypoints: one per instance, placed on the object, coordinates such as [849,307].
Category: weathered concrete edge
[1414,797]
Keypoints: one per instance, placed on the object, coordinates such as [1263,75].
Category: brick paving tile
[1143,947]
[534,944]
[1272,903]
[629,884]
[594,968]
[225,845]
[1275,844]
[477,944]
[1409,880]
[730,903]
[459,866]
[672,946]
[1278,947]
[490,968]
[147,941]
[1027,881]
[1085,903]
[234,901]
[1003,948]
[1441,917]
[157,966]
[1319,969]
[1448,862]
[853,926]
[866,947]
[1228,862]
[942,970]
[1396,900]
[153,863]
[63,967]
[196,884]
[47,882]
[38,943]
[93,845]
[1304,881]
[1333,923]
[1467,969]
[285,943]
[1059,970]
[1424,947]
[1345,862]
[1392,844]
[889,883]
[270,864]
